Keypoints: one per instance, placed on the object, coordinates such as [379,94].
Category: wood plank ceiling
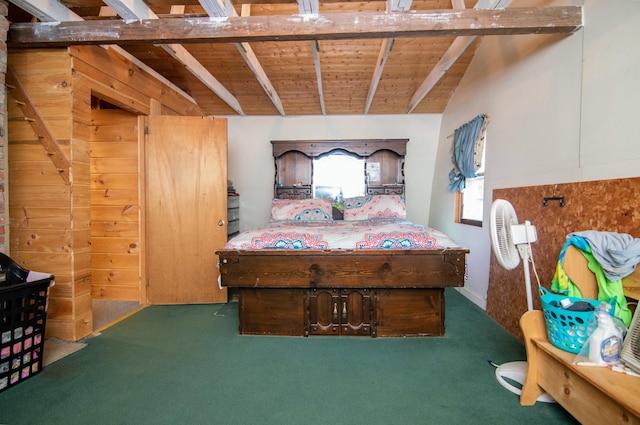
[282,57]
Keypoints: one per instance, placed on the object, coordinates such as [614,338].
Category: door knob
[221,223]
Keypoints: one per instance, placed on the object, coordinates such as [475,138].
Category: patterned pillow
[301,209]
[374,206]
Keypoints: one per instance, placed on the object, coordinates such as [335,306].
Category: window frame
[459,207]
[480,174]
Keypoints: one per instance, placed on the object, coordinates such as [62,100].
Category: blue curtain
[464,142]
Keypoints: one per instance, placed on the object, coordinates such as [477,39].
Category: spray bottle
[605,342]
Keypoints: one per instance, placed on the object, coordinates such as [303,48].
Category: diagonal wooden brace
[32,115]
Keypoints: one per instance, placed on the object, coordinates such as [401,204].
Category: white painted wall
[561,108]
[252,170]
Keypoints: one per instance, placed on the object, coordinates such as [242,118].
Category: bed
[371,272]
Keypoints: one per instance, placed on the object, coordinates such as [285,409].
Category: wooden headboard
[294,164]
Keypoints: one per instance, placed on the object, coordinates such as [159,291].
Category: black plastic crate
[23,315]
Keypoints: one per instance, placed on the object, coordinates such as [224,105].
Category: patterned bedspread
[354,235]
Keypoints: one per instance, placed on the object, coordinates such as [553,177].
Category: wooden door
[186,208]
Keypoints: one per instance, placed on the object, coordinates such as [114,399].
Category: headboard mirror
[338,168]
[337,175]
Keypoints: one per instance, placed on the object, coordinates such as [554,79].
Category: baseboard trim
[474,297]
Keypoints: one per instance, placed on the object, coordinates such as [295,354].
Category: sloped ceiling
[282,57]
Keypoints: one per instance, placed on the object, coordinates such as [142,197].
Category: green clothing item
[606,289]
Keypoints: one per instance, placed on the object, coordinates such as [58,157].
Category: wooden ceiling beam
[453,53]
[136,11]
[131,10]
[315,51]
[385,49]
[246,51]
[215,9]
[330,26]
[47,11]
[309,7]
[387,44]
[312,7]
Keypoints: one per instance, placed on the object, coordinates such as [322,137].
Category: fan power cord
[533,264]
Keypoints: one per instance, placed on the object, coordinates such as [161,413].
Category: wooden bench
[593,395]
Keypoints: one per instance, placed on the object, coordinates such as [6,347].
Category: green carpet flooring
[188,365]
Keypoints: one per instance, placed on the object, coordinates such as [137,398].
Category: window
[470,201]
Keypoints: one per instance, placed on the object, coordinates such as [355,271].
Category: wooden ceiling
[282,57]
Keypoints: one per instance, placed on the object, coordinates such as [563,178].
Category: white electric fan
[511,242]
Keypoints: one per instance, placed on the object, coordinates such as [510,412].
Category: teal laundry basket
[566,329]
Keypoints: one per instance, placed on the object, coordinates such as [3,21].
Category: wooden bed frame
[369,292]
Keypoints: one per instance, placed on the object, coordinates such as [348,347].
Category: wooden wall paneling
[127,214]
[130,75]
[82,174]
[34,115]
[121,89]
[155,107]
[112,90]
[22,130]
[56,196]
[604,205]
[28,150]
[32,173]
[115,228]
[83,311]
[46,240]
[142,225]
[61,82]
[115,242]
[40,207]
[42,217]
[168,111]
[81,222]
[82,247]
[61,297]
[126,165]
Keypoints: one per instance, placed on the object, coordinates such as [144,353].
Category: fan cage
[503,216]
[631,347]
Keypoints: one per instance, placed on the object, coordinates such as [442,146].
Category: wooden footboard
[374,293]
[346,269]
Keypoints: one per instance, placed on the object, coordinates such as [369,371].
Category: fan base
[517,372]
